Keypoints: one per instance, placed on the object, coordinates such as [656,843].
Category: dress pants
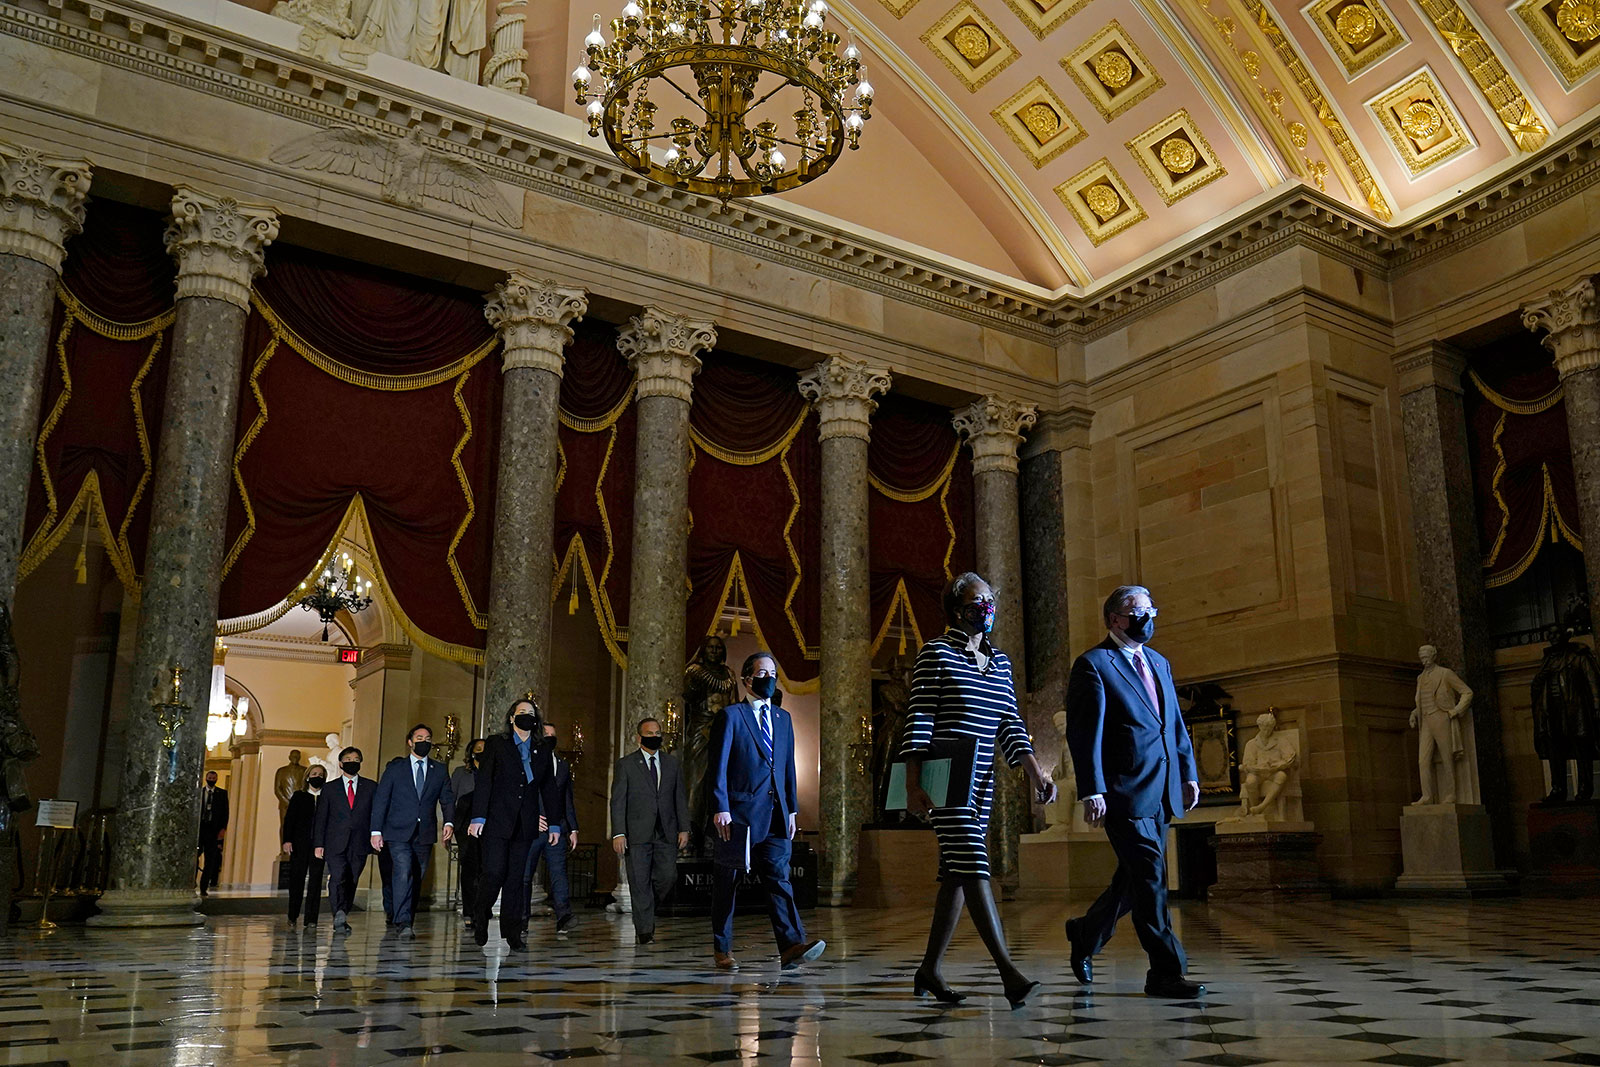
[555,857]
[211,851]
[344,871]
[652,872]
[469,851]
[769,860]
[305,884]
[503,875]
[1140,887]
[408,863]
[386,877]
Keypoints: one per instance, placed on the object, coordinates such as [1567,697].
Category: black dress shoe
[516,944]
[1178,988]
[1018,995]
[565,923]
[1082,962]
[926,984]
[647,939]
[480,934]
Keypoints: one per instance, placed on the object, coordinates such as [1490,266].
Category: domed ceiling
[1063,142]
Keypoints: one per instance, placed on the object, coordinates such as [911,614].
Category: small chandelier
[339,589]
[756,80]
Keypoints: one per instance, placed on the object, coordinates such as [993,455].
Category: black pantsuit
[305,885]
[1139,887]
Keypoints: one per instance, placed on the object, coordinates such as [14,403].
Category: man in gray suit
[649,823]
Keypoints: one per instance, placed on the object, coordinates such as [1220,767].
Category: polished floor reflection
[1419,984]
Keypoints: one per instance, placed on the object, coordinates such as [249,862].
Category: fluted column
[533,318]
[219,244]
[664,351]
[1571,318]
[843,391]
[993,427]
[40,207]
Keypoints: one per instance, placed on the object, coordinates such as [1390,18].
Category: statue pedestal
[1066,864]
[1563,849]
[1449,851]
[1262,858]
[896,867]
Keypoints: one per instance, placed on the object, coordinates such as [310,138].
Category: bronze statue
[18,746]
[290,779]
[1565,723]
[708,687]
[888,723]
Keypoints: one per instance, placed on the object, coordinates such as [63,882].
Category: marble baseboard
[129,908]
[1266,864]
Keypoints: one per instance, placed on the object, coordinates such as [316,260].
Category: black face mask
[351,767]
[527,722]
[652,743]
[547,741]
[473,758]
[1141,628]
[314,783]
[422,748]
[764,686]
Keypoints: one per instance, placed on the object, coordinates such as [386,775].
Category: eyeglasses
[1151,612]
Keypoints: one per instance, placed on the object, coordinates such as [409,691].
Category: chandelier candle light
[756,79]
[339,589]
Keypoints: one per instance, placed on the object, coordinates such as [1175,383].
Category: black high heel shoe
[921,984]
[1018,995]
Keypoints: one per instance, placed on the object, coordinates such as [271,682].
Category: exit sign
[349,655]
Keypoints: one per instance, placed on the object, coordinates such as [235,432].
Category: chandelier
[338,589]
[759,87]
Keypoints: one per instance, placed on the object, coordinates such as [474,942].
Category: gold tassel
[572,601]
[81,565]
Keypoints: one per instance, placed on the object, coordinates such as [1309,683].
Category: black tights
[976,895]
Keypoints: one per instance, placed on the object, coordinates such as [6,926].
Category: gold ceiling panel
[1042,16]
[1176,157]
[1515,111]
[1101,201]
[1568,32]
[1423,125]
[1112,72]
[970,45]
[898,8]
[1039,123]
[1357,32]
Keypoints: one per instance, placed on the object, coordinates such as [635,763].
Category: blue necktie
[766,730]
[421,774]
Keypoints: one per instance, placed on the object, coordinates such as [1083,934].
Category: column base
[1265,864]
[1448,851]
[1563,849]
[133,908]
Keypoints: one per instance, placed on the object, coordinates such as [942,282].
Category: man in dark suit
[403,821]
[1135,773]
[515,788]
[213,827]
[305,869]
[649,824]
[339,835]
[561,837]
[750,779]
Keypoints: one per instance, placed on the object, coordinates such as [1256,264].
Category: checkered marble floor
[1411,984]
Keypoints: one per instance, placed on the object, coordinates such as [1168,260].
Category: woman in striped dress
[961,688]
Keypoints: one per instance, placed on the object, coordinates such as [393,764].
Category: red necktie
[350,791]
[1149,682]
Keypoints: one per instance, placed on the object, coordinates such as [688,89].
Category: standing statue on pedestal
[1269,759]
[888,723]
[18,746]
[290,779]
[708,687]
[1443,756]
[330,762]
[1565,724]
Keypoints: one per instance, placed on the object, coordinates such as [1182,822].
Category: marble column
[533,318]
[219,244]
[664,351]
[41,208]
[1570,317]
[1454,613]
[993,427]
[843,391]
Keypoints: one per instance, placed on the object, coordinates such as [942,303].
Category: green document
[935,780]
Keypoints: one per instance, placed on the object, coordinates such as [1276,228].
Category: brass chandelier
[754,81]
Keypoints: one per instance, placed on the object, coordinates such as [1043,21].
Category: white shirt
[416,761]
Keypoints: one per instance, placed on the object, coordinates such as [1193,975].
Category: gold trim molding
[971,45]
[1039,123]
[1101,201]
[1112,71]
[1511,105]
[1357,32]
[1176,157]
[1042,17]
[1573,60]
[1422,122]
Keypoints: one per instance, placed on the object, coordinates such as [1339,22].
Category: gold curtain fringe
[250,435]
[45,542]
[753,458]
[736,574]
[1551,520]
[577,550]
[901,601]
[604,422]
[107,328]
[479,619]
[916,496]
[1536,406]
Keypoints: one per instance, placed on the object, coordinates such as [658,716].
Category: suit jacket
[509,804]
[338,829]
[299,822]
[399,813]
[1136,755]
[219,809]
[637,802]
[741,779]
[566,808]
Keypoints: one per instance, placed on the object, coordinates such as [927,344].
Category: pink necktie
[1149,682]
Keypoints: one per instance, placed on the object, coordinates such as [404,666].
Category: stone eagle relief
[408,170]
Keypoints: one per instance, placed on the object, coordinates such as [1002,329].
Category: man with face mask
[462,783]
[403,820]
[649,824]
[213,827]
[305,869]
[340,833]
[1136,773]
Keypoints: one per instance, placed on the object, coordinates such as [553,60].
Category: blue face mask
[1141,628]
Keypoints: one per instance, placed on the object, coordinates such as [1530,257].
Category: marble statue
[1566,697]
[888,723]
[1269,761]
[330,762]
[1066,815]
[1444,756]
[708,687]
[433,34]
[467,37]
[289,780]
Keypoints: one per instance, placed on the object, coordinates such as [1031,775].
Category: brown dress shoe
[805,952]
[724,961]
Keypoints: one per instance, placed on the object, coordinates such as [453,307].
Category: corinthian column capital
[220,244]
[41,204]
[843,390]
[994,425]
[532,315]
[1571,317]
[664,351]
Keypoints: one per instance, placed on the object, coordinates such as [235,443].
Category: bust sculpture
[1270,760]
[1565,722]
[1445,756]
[708,687]
[289,780]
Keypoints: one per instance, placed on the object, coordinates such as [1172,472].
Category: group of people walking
[1135,774]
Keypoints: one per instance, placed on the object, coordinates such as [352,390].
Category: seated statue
[1268,764]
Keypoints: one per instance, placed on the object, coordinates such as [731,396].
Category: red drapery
[101,411]
[366,394]
[754,497]
[920,518]
[1521,458]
